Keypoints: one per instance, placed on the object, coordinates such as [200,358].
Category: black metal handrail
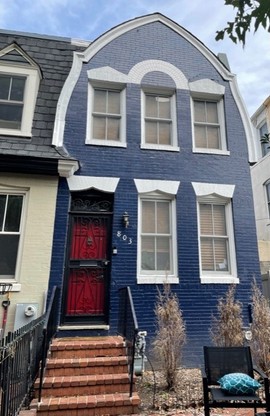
[128,328]
[49,331]
[20,354]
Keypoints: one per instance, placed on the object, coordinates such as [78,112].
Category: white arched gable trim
[204,189]
[139,70]
[82,183]
[148,185]
[102,41]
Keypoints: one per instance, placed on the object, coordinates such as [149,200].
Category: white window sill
[16,133]
[155,280]
[160,147]
[212,151]
[110,143]
[219,280]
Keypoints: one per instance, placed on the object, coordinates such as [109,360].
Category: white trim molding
[82,183]
[204,189]
[152,185]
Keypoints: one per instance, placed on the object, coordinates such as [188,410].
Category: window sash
[267,188]
[156,236]
[158,119]
[207,125]
[106,114]
[10,229]
[11,101]
[214,239]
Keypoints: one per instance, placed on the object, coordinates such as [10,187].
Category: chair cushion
[238,383]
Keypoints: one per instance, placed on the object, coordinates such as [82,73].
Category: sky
[88,19]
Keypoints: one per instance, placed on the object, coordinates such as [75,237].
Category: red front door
[87,281]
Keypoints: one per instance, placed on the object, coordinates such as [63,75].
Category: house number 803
[124,237]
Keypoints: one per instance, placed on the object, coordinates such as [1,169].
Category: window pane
[113,126]
[221,255]
[114,102]
[164,107]
[148,217]
[200,136]
[151,132]
[4,87]
[206,222]
[163,218]
[164,133]
[99,127]
[207,254]
[212,114]
[213,137]
[100,101]
[163,254]
[17,89]
[219,220]
[3,199]
[199,111]
[8,254]
[151,108]
[148,253]
[13,216]
[10,115]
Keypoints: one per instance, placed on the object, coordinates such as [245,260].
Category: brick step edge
[81,362]
[88,380]
[86,402]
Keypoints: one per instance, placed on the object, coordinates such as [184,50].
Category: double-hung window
[207,125]
[19,83]
[106,121]
[214,238]
[264,146]
[159,120]
[11,101]
[267,189]
[215,233]
[207,103]
[11,206]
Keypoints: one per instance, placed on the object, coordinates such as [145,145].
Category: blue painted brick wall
[198,302]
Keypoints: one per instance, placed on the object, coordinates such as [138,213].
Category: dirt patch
[157,400]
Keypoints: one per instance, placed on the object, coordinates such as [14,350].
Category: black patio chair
[219,361]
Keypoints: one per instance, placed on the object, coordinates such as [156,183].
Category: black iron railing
[128,328]
[49,331]
[22,356]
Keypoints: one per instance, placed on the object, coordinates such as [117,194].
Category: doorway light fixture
[125,219]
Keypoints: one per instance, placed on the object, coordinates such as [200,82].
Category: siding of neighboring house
[30,165]
[260,174]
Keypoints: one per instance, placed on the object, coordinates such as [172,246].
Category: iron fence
[21,353]
[128,328]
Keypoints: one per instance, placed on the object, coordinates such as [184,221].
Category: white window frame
[174,140]
[15,281]
[221,124]
[218,195]
[267,196]
[158,190]
[209,90]
[264,146]
[92,86]
[29,100]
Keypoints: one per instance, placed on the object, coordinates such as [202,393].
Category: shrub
[260,328]
[227,327]
[170,334]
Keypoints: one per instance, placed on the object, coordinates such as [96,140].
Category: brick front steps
[86,377]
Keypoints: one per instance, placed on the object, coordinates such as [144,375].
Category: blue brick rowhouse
[163,189]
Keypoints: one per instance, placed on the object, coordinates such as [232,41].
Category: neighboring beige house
[260,174]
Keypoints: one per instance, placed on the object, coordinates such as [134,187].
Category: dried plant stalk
[170,334]
[227,327]
[260,328]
